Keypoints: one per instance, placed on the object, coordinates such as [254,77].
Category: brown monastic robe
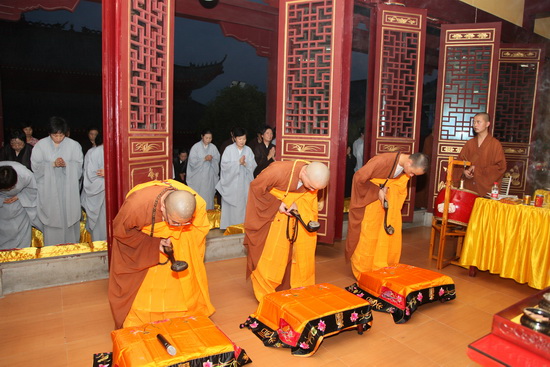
[262,206]
[133,252]
[364,192]
[489,162]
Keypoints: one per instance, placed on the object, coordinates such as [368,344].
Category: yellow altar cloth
[300,318]
[214,216]
[29,253]
[510,240]
[234,229]
[195,338]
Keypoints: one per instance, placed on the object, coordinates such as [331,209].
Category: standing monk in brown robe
[486,155]
[275,262]
[384,177]
[142,286]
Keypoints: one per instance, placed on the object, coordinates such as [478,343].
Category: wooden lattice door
[137,91]
[466,85]
[519,72]
[397,62]
[313,94]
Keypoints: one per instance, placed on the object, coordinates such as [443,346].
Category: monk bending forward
[281,253]
[384,177]
[142,286]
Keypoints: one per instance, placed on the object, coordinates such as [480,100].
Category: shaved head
[180,204]
[318,174]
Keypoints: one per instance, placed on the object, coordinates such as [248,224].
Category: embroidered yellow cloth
[401,279]
[510,240]
[299,305]
[193,337]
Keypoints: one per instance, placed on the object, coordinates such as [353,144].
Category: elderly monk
[275,261]
[486,155]
[142,286]
[384,177]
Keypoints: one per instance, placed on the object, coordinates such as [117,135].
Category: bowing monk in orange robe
[368,246]
[275,261]
[142,286]
[486,156]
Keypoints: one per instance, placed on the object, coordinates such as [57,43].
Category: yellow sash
[377,249]
[272,265]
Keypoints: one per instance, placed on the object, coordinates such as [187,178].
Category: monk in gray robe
[93,193]
[17,205]
[203,168]
[237,171]
[57,165]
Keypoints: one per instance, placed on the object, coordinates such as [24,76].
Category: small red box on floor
[400,289]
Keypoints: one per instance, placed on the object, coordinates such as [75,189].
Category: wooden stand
[443,226]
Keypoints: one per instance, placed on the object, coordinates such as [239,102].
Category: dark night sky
[191,36]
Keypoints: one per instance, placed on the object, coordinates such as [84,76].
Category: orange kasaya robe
[489,162]
[366,215]
[377,249]
[142,291]
[274,264]
[279,255]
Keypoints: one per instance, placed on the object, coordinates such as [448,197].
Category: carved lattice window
[465,90]
[308,67]
[515,99]
[398,79]
[148,65]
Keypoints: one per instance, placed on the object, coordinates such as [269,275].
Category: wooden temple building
[488,57]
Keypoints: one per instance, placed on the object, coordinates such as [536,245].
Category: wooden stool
[400,289]
[139,346]
[300,318]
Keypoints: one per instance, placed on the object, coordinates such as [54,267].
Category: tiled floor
[64,326]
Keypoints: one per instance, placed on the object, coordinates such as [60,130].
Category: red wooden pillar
[313,94]
[137,95]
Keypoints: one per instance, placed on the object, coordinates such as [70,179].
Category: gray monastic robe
[202,176]
[234,183]
[16,218]
[58,189]
[93,194]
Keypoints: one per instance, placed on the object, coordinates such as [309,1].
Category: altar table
[510,240]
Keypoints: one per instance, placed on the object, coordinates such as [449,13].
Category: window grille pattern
[398,84]
[516,95]
[148,64]
[308,67]
[465,90]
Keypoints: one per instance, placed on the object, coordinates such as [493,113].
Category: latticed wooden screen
[313,91]
[466,86]
[149,37]
[138,50]
[399,81]
[397,84]
[515,112]
[517,83]
[309,63]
